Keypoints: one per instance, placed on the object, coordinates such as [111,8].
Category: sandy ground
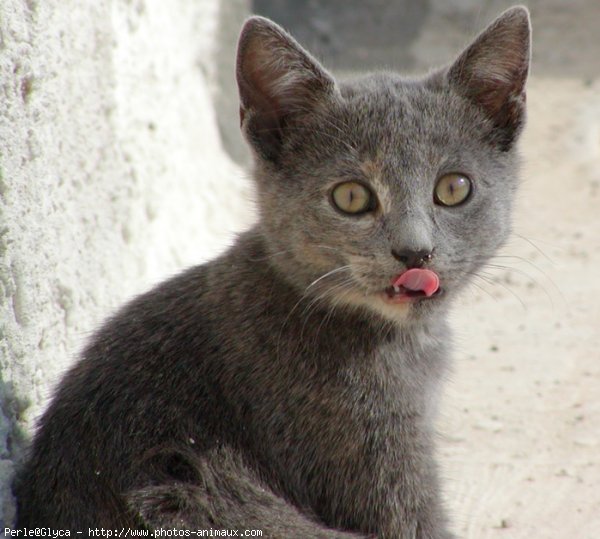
[520,423]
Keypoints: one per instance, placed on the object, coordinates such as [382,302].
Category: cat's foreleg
[184,506]
[217,491]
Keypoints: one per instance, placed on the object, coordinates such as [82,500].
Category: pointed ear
[278,81]
[493,70]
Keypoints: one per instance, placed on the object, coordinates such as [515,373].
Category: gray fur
[261,391]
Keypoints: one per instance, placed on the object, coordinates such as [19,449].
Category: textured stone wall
[112,175]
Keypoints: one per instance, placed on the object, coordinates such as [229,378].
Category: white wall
[112,176]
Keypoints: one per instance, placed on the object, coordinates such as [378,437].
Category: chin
[379,304]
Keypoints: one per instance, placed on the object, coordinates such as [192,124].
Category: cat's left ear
[493,70]
[278,82]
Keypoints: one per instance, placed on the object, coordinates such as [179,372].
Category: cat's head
[360,181]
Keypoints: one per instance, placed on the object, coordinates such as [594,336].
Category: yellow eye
[452,189]
[352,197]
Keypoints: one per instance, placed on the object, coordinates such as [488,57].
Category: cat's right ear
[278,82]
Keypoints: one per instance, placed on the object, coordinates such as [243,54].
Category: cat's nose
[411,258]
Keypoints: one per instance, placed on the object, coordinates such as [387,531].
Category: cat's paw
[163,506]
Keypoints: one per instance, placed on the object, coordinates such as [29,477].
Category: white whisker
[332,272]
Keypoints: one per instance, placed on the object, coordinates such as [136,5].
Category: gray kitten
[290,385]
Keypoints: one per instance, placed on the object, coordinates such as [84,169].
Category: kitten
[290,385]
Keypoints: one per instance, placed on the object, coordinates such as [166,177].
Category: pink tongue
[416,279]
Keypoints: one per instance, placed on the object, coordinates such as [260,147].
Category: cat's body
[296,408]
[285,386]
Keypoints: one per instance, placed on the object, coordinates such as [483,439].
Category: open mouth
[413,284]
[399,294]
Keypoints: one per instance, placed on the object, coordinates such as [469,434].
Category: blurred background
[121,163]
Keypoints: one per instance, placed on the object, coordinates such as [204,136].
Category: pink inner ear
[278,85]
